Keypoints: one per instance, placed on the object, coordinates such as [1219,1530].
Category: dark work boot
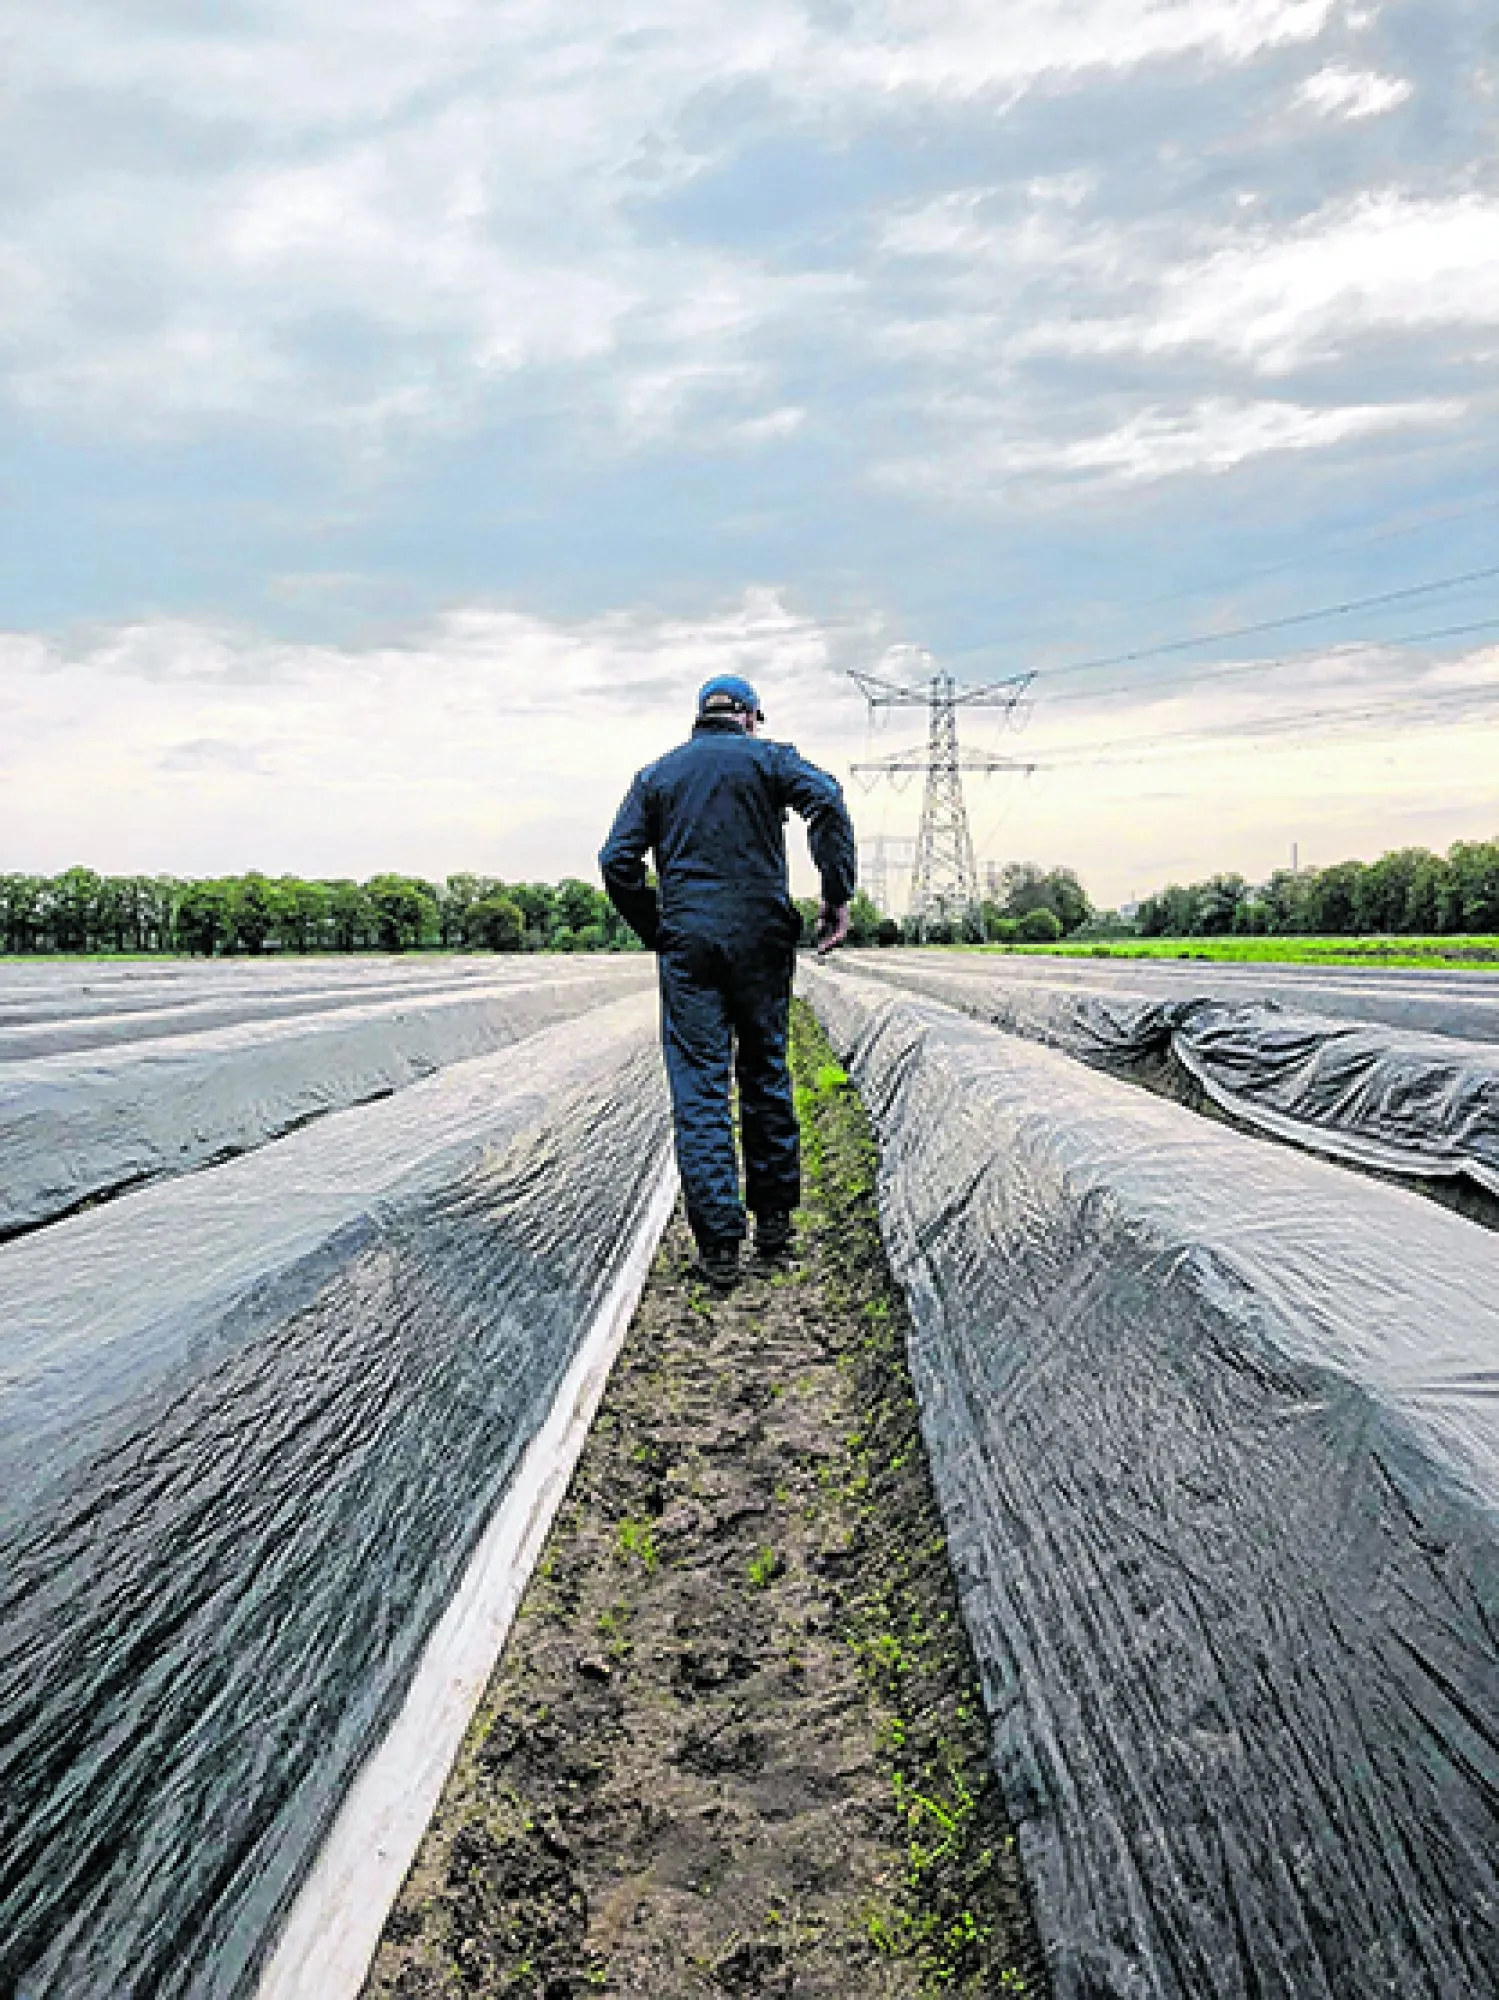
[717,1264]
[775,1236]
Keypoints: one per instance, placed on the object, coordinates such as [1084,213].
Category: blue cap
[727,694]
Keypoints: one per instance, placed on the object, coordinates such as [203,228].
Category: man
[725,928]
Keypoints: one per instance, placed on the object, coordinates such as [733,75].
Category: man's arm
[622,863]
[830,835]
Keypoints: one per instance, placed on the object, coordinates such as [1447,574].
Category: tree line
[1408,891]
[80,911]
[251,915]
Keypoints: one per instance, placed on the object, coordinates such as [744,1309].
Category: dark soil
[735,1744]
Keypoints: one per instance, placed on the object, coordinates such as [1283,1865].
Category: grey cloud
[206,755]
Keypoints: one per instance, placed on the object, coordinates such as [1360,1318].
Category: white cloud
[1274,297]
[1352,93]
[166,744]
[999,286]
[460,181]
[1163,443]
[1378,264]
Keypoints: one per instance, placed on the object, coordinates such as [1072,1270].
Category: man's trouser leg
[759,1003]
[697,1040]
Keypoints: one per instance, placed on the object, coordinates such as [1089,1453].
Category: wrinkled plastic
[64,1013]
[1379,1097]
[1214,1429]
[251,1424]
[1464,1004]
[76,1127]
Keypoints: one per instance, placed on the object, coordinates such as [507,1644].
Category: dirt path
[735,1745]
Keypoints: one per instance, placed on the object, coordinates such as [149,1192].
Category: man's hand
[832,927]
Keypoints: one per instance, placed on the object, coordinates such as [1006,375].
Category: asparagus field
[1076,1575]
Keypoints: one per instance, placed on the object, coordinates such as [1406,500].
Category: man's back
[714,812]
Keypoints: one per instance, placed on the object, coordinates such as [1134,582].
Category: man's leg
[760,1001]
[696,1039]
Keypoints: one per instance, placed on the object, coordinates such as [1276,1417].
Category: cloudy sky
[401,409]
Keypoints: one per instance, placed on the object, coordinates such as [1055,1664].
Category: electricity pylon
[878,854]
[944,881]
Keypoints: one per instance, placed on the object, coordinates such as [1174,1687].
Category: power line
[1229,586]
[1434,520]
[1340,651]
[1431,705]
[1202,639]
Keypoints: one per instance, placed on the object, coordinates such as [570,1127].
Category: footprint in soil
[716,1752]
[708,1665]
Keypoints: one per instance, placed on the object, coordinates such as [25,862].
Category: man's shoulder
[662,766]
[765,753]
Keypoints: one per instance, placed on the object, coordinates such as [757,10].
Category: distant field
[1472,953]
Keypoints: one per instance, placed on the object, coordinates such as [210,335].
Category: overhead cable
[1343,610]
[1340,651]
[1248,730]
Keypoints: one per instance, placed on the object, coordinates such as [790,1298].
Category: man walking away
[725,929]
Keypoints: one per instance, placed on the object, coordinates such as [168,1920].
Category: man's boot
[775,1236]
[717,1263]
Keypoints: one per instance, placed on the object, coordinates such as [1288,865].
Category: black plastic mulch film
[1373,1094]
[252,1421]
[1215,1433]
[94,1103]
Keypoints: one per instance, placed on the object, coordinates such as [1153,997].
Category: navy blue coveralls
[726,930]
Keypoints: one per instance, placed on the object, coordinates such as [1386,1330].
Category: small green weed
[764,1567]
[635,1538]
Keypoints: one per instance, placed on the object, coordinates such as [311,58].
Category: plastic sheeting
[1215,1433]
[63,1015]
[1464,1004]
[1379,1097]
[251,1425]
[77,1127]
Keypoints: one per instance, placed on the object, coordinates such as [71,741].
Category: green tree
[1217,904]
[1288,895]
[71,908]
[456,900]
[404,909]
[254,912]
[578,903]
[1025,886]
[1474,898]
[495,923]
[303,909]
[537,905]
[204,917]
[1334,899]
[863,920]
[351,916]
[1382,894]
[23,911]
[1423,896]
[1040,926]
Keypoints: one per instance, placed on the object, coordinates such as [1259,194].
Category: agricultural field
[1076,1575]
[1424,952]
